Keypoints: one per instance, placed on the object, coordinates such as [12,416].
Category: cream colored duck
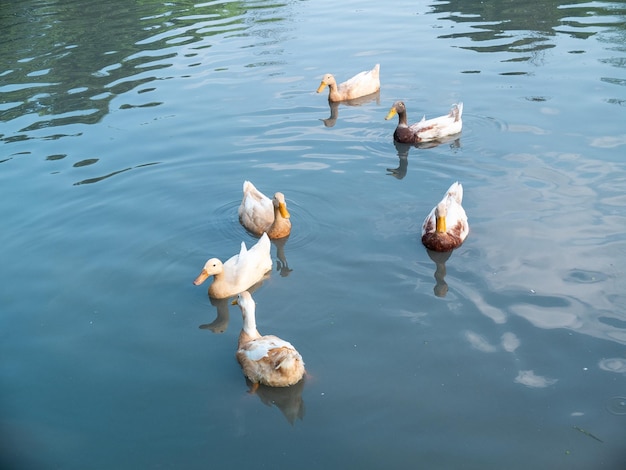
[425,130]
[239,272]
[266,360]
[258,213]
[362,84]
[446,227]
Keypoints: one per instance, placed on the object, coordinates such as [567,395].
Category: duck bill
[321,87]
[201,278]
[441,224]
[282,208]
[392,112]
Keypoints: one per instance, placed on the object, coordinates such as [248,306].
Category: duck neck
[402,119]
[249,322]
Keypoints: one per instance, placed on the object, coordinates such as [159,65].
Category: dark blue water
[128,130]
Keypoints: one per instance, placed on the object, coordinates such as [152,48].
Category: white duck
[362,84]
[266,360]
[425,130]
[446,227]
[258,213]
[239,272]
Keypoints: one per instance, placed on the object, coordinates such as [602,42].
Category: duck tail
[457,111]
[264,243]
[456,191]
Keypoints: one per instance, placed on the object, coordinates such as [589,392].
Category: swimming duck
[446,227]
[425,130]
[362,84]
[239,272]
[266,360]
[258,213]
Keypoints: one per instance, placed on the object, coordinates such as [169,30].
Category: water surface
[127,133]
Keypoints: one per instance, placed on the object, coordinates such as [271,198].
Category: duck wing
[256,211]
[363,83]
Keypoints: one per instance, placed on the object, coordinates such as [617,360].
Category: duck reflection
[403,152]
[403,156]
[281,260]
[287,399]
[439,258]
[334,106]
[220,324]
[454,142]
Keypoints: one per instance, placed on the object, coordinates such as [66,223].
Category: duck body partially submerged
[446,227]
[362,84]
[425,130]
[239,272]
[267,360]
[258,213]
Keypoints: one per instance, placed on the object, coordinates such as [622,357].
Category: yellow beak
[441,224]
[321,87]
[392,112]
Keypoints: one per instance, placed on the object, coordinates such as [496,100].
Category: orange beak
[201,278]
[283,210]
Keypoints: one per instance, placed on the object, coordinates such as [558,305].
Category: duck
[266,360]
[258,213]
[239,272]
[446,227]
[362,84]
[425,130]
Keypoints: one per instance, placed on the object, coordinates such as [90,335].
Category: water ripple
[306,226]
[617,406]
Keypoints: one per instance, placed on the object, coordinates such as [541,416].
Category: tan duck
[239,272]
[446,227]
[266,360]
[362,84]
[425,130]
[258,213]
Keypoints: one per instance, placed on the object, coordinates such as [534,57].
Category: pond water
[128,130]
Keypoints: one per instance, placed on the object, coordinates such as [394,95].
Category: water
[128,131]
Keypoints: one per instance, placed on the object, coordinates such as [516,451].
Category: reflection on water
[532,380]
[281,259]
[334,106]
[506,26]
[100,178]
[287,399]
[71,69]
[220,324]
[222,318]
[402,150]
[403,160]
[439,258]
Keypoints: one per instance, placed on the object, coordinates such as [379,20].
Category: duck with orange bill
[239,272]
[362,84]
